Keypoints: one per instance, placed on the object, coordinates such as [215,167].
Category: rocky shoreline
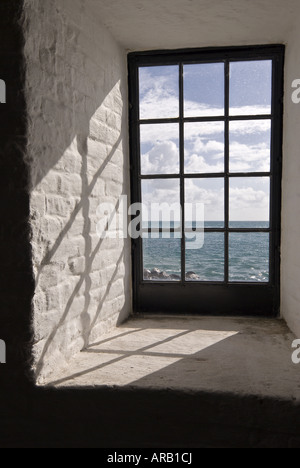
[159,275]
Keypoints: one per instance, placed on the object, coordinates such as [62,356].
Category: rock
[164,275]
[175,278]
[192,276]
[147,274]
[155,273]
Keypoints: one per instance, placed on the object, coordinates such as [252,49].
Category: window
[206,138]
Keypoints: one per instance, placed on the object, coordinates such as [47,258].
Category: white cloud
[251,152]
[249,127]
[204,152]
[196,109]
[160,192]
[210,194]
[198,164]
[244,197]
[204,147]
[159,106]
[214,146]
[160,132]
[250,110]
[249,157]
[249,204]
[158,97]
[162,159]
[203,130]
[157,101]
[206,157]
[246,203]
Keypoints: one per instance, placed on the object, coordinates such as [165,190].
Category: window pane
[249,201]
[210,194]
[204,147]
[162,259]
[250,146]
[160,149]
[206,263]
[204,90]
[161,211]
[249,257]
[251,87]
[159,92]
[161,200]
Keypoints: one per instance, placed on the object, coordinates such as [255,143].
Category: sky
[250,94]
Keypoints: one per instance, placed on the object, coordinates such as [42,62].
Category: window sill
[244,356]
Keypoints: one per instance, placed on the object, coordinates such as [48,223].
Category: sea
[205,253]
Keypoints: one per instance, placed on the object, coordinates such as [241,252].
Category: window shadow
[246,357]
[89,254]
[77,126]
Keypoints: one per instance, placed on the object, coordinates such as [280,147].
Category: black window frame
[226,297]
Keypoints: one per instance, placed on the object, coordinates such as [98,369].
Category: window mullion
[182,181]
[226,149]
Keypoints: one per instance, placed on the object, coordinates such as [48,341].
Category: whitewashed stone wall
[78,155]
[290,252]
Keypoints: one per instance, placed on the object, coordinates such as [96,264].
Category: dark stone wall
[16,279]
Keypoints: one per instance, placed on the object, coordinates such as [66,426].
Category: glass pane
[162,259]
[159,92]
[204,147]
[160,149]
[210,194]
[206,263]
[161,212]
[161,201]
[250,146]
[249,202]
[249,257]
[251,87]
[204,90]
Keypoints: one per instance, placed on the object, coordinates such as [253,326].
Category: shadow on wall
[78,158]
